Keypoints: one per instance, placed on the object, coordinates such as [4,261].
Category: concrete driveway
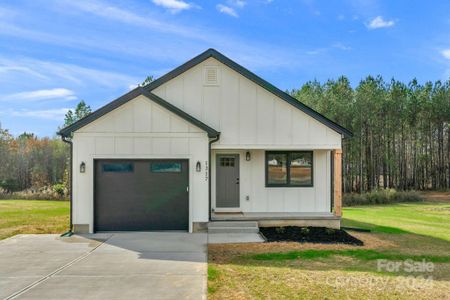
[131,265]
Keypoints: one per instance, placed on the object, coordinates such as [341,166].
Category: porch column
[337,185]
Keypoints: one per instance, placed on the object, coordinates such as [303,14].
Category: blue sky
[55,53]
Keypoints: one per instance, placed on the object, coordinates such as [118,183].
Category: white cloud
[53,73]
[255,55]
[48,114]
[107,11]
[341,46]
[237,3]
[446,53]
[379,22]
[57,94]
[173,5]
[133,86]
[227,10]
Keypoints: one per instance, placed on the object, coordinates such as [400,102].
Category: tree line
[401,137]
[401,131]
[28,162]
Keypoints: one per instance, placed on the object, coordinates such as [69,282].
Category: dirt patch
[309,235]
[436,196]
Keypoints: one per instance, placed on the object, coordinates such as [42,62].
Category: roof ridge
[211,52]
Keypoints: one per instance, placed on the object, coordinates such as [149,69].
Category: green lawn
[416,231]
[428,218]
[33,216]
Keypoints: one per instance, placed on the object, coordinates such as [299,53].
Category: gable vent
[211,75]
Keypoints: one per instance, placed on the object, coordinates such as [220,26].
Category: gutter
[209,172]
[68,141]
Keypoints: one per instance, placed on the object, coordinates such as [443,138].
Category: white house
[208,141]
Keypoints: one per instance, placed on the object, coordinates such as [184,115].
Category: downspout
[209,172]
[65,140]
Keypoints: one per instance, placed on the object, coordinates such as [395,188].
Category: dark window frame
[165,170]
[105,169]
[288,169]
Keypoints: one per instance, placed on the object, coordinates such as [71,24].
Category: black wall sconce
[248,157]
[82,167]
[198,166]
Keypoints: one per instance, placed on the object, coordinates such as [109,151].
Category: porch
[269,219]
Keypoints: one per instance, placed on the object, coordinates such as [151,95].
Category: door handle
[237,180]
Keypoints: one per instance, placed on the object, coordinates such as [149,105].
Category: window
[289,168]
[227,161]
[165,167]
[118,167]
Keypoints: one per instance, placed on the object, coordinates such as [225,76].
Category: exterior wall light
[248,157]
[82,167]
[198,166]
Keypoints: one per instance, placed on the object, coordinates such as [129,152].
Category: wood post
[337,185]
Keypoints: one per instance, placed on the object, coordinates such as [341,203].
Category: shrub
[381,197]
[9,185]
[60,189]
[45,193]
[280,229]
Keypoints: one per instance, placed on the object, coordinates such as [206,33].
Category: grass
[400,232]
[361,254]
[428,218]
[33,216]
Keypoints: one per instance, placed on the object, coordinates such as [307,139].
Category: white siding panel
[104,145]
[174,91]
[160,119]
[211,106]
[229,117]
[283,123]
[193,93]
[265,122]
[123,119]
[142,115]
[179,146]
[178,125]
[124,145]
[247,113]
[300,128]
[161,146]
[275,199]
[142,145]
[291,202]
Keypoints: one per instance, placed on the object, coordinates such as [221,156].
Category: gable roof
[146,91]
[212,133]
[253,77]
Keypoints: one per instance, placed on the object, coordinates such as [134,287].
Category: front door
[227,181]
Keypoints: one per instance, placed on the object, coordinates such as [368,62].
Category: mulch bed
[309,235]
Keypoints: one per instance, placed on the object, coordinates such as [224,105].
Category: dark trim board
[212,133]
[67,131]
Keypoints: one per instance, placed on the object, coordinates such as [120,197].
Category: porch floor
[257,216]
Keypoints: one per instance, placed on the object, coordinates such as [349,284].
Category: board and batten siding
[139,129]
[315,199]
[246,114]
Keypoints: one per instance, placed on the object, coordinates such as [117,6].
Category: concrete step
[233,229]
[216,224]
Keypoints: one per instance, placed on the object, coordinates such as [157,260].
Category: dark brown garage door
[141,195]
